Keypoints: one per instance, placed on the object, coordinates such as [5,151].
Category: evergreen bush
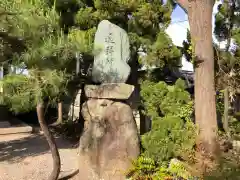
[173,133]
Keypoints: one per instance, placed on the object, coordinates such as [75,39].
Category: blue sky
[178,14]
[178,28]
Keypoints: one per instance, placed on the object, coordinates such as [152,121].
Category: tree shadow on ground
[70,130]
[21,146]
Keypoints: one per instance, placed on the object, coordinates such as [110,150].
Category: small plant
[142,168]
[178,169]
[22,92]
[145,168]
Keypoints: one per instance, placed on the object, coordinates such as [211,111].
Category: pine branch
[8,13]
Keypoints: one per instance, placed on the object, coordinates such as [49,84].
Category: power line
[175,22]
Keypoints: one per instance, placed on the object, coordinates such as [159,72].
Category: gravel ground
[27,157]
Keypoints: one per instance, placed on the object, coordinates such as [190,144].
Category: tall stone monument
[110,139]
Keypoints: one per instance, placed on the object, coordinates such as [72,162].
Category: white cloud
[178,32]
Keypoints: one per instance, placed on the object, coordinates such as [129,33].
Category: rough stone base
[109,142]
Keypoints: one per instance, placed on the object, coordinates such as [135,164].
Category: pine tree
[228,29]
[30,37]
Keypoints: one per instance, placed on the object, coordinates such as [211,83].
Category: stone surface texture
[109,91]
[109,142]
[112,53]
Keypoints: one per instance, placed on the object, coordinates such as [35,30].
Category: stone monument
[112,49]
[110,139]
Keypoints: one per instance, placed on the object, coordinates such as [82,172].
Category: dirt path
[27,157]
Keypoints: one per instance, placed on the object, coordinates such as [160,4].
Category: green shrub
[233,122]
[170,137]
[234,127]
[21,93]
[170,108]
[17,95]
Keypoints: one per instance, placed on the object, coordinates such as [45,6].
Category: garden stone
[109,142]
[120,91]
[112,53]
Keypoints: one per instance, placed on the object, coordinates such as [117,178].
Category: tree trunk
[60,112]
[200,20]
[51,142]
[82,100]
[226,107]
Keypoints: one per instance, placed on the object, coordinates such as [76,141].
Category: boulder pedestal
[110,140]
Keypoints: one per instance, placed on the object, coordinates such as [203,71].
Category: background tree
[227,28]
[187,48]
[139,18]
